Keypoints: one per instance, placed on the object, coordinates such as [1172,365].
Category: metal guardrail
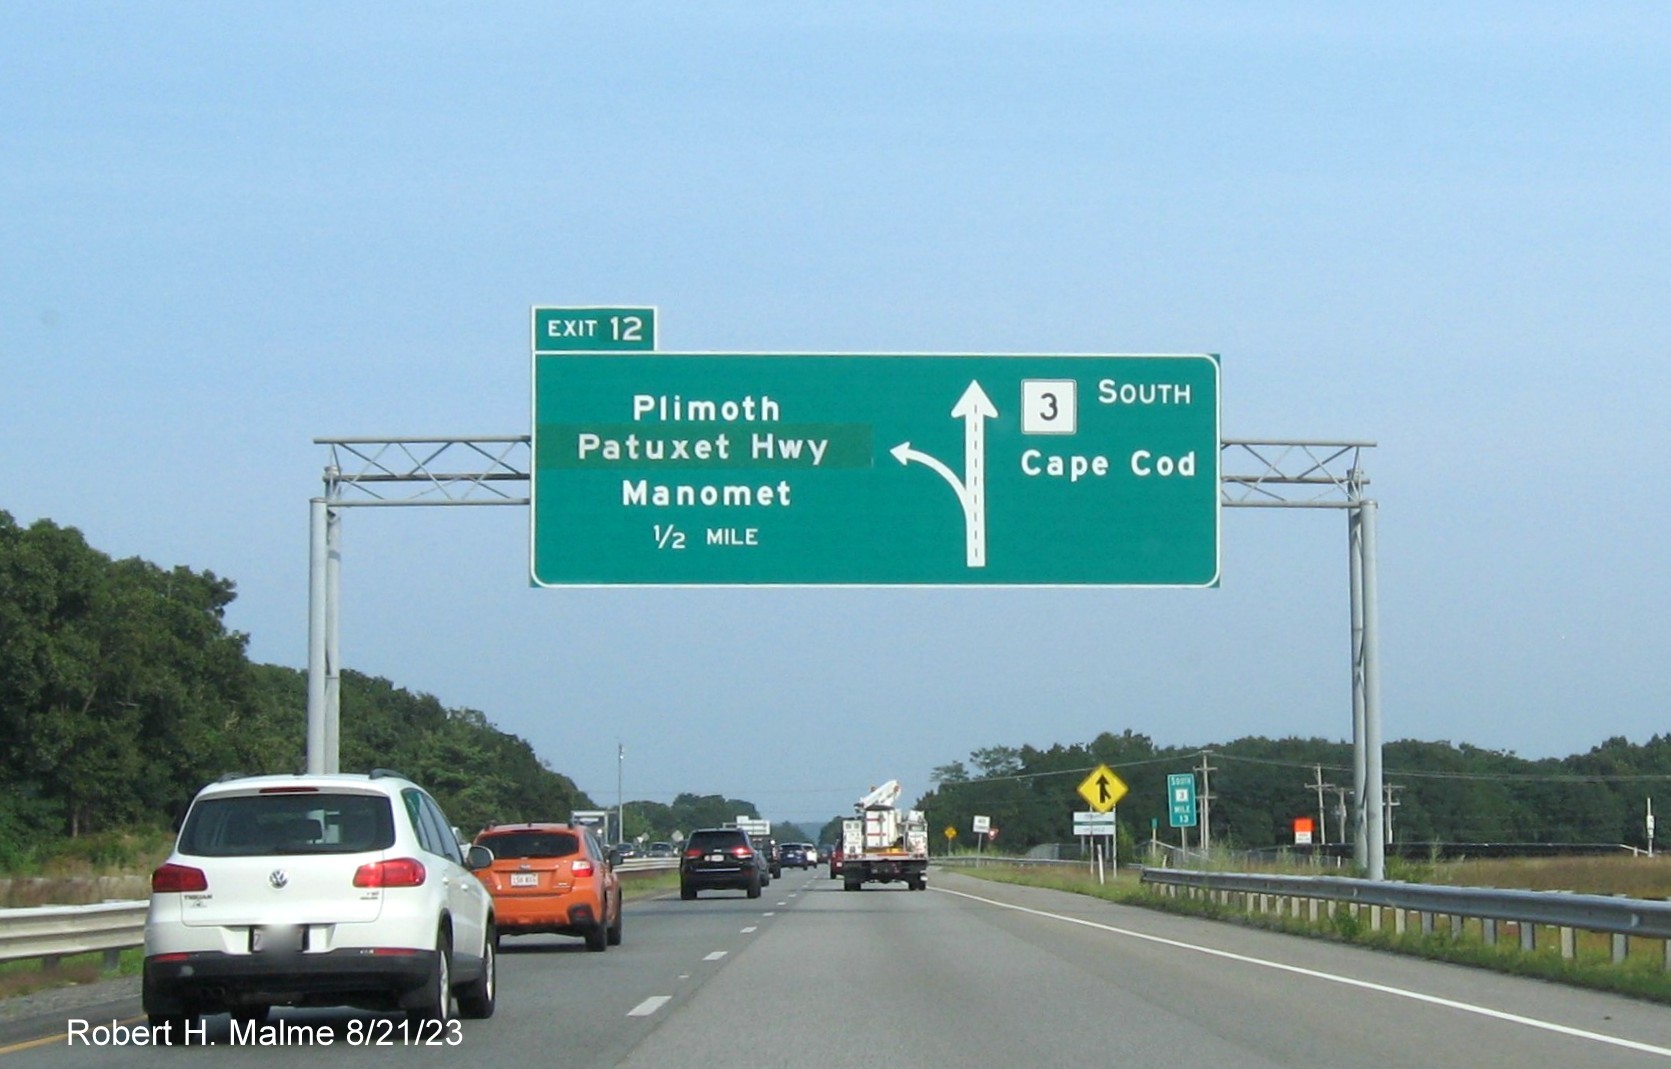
[49,933]
[976,861]
[1560,909]
[1620,917]
[648,864]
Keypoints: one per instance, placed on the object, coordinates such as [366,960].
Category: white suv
[333,890]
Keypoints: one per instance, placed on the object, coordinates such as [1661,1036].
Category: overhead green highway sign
[822,469]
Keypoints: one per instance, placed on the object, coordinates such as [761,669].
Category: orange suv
[552,878]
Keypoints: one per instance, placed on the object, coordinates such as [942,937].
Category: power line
[1527,777]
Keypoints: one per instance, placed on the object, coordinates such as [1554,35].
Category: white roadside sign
[1093,823]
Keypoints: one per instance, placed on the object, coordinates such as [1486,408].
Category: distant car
[325,890]
[721,858]
[624,851]
[824,851]
[796,854]
[552,878]
[835,862]
[662,850]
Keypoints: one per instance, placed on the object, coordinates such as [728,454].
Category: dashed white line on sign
[649,1006]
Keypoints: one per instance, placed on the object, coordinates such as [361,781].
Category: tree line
[1441,793]
[122,692]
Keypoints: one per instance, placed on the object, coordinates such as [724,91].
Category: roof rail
[381,773]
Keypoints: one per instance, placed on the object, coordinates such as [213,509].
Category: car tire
[754,887]
[597,938]
[478,998]
[615,929]
[687,892]
[435,1002]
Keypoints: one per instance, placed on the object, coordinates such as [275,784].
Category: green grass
[1642,975]
[100,854]
[25,977]
[635,885]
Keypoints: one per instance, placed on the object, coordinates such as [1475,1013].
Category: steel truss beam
[1272,473]
[1254,473]
[366,471]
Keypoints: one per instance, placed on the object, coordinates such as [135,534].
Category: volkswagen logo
[278,878]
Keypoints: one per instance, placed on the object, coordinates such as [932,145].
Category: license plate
[525,879]
[277,939]
[716,857]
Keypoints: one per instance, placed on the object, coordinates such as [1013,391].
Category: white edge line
[649,1006]
[1399,992]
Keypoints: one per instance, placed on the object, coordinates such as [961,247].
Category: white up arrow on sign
[974,408]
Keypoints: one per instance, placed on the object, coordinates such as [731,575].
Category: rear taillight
[172,879]
[400,872]
[583,867]
[695,851]
[741,851]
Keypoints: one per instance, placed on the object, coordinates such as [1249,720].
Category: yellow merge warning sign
[1102,789]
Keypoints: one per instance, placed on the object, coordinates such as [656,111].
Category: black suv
[717,858]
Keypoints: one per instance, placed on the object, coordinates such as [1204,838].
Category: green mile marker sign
[824,469]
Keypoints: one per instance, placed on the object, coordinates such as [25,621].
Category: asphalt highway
[969,974]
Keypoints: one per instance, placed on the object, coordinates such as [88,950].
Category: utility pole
[1206,803]
[1389,803]
[620,799]
[1340,794]
[1322,813]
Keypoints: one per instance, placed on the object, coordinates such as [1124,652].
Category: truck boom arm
[887,794]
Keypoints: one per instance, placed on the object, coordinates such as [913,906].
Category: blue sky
[225,230]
